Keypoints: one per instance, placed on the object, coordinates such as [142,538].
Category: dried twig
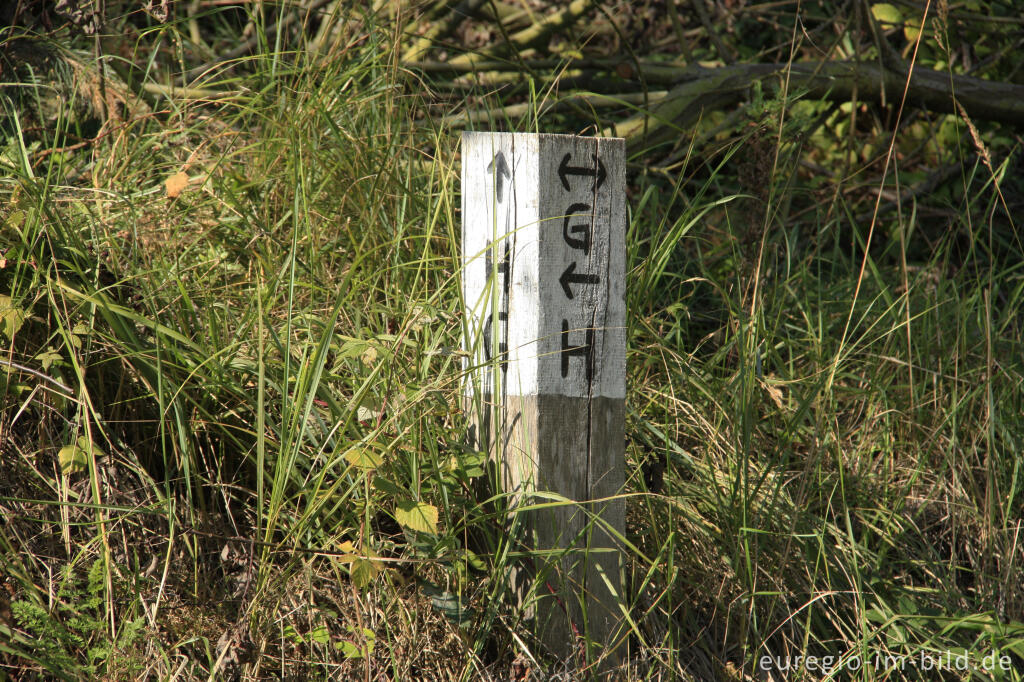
[64,388]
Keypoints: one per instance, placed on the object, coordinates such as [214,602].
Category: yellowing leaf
[11,317]
[887,15]
[363,572]
[83,442]
[364,459]
[348,552]
[369,356]
[176,184]
[364,569]
[418,516]
[912,30]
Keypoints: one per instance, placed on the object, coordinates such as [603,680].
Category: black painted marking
[503,266]
[504,269]
[502,345]
[569,232]
[570,277]
[499,167]
[596,171]
[586,351]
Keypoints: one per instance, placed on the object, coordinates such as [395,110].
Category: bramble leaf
[418,516]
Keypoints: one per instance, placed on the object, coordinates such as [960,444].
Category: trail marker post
[543,255]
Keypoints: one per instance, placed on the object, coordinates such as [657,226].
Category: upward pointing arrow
[499,167]
[565,170]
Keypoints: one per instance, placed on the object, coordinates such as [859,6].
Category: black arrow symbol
[565,170]
[500,170]
[570,277]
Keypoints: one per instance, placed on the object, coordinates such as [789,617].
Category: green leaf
[887,15]
[72,458]
[353,650]
[363,458]
[11,317]
[418,516]
[470,463]
[350,650]
[320,635]
[10,387]
[387,487]
[15,219]
[474,561]
[48,357]
[75,457]
[352,348]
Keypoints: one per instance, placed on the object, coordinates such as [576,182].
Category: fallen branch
[704,89]
[653,73]
[570,101]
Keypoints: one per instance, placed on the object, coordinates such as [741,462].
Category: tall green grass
[242,405]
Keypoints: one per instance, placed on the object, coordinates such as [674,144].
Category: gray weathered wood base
[576,557]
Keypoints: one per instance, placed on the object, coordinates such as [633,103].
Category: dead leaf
[176,184]
[775,394]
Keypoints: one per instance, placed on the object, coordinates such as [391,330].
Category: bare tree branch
[705,89]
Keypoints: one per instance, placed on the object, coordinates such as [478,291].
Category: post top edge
[564,136]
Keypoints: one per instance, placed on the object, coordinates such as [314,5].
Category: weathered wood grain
[544,289]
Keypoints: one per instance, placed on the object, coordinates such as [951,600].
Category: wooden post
[543,254]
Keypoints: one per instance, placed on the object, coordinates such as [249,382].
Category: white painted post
[543,254]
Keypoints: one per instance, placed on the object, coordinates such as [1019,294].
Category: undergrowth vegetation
[232,440]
